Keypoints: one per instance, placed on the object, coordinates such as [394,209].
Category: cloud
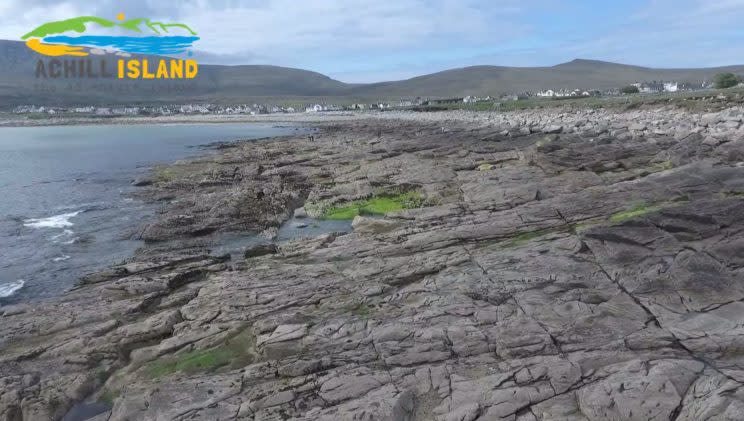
[372,40]
[289,27]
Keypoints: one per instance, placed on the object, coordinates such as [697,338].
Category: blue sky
[376,40]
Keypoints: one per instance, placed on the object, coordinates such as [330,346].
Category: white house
[649,87]
[548,92]
[193,109]
[671,86]
[315,108]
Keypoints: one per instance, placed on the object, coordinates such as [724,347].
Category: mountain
[254,83]
[495,80]
[222,84]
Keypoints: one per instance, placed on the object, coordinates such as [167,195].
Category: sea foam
[56,221]
[9,288]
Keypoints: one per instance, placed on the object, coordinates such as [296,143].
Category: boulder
[142,181]
[260,250]
[553,128]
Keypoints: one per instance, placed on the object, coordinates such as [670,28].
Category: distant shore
[697,102]
[12,120]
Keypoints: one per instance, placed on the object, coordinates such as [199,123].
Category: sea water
[64,210]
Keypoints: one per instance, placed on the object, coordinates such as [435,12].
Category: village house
[546,93]
[563,93]
[472,99]
[655,87]
[315,108]
[125,111]
[443,101]
[194,109]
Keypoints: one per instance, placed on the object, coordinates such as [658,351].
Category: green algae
[376,205]
[234,352]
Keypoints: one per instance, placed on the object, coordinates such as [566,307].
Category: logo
[75,38]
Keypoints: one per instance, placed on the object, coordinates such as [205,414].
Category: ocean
[64,210]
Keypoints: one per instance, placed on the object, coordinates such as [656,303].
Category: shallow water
[236,244]
[63,205]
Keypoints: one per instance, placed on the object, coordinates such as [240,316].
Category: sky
[377,40]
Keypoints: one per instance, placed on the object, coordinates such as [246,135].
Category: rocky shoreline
[573,265]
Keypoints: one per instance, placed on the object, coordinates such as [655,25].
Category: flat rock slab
[283,333]
[588,273]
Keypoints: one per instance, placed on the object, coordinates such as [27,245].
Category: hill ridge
[250,82]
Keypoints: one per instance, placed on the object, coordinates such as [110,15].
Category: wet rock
[260,250]
[142,181]
[15,309]
[300,213]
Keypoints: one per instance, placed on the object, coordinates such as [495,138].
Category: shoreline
[76,234]
[694,102]
[536,264]
[179,119]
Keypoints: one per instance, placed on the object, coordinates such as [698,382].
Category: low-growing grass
[108,397]
[736,194]
[164,175]
[525,237]
[691,100]
[641,209]
[377,205]
[634,212]
[236,351]
[361,310]
[344,212]
[665,165]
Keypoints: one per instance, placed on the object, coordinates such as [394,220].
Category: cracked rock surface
[586,274]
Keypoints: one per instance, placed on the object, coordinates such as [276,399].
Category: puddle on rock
[292,229]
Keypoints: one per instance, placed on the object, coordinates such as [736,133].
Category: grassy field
[693,100]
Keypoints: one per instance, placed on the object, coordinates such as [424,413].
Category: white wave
[61,258]
[56,221]
[9,288]
[64,233]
